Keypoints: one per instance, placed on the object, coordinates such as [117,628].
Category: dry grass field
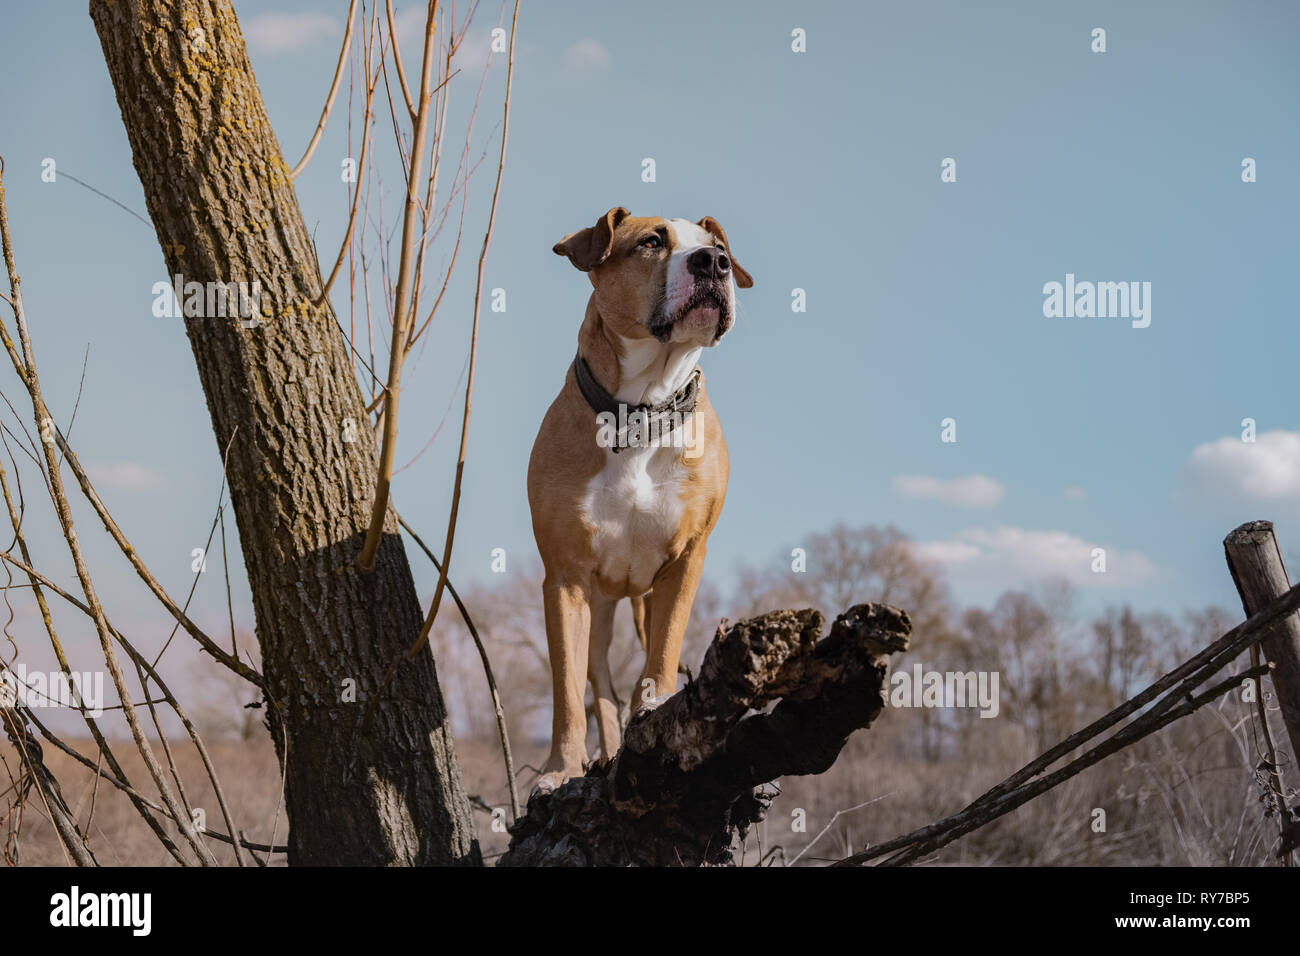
[1186,797]
[1193,794]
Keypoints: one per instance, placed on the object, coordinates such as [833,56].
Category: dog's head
[672,279]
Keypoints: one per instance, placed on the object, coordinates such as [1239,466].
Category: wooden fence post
[1257,567]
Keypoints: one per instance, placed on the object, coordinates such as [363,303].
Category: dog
[629,469]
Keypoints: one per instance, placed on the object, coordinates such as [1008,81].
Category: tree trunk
[301,465]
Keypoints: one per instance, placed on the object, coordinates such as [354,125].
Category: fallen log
[772,699]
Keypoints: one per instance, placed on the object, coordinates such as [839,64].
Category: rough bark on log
[692,772]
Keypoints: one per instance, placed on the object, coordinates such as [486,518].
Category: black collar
[681,401]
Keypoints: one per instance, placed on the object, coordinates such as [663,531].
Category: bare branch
[26,368]
[64,666]
[397,55]
[401,305]
[1017,788]
[497,706]
[356,193]
[206,642]
[334,88]
[983,813]
[29,752]
[473,353]
[390,408]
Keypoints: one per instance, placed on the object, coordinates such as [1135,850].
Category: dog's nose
[710,262]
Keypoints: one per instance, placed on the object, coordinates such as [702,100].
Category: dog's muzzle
[709,306]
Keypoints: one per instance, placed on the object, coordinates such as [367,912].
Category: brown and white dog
[624,509]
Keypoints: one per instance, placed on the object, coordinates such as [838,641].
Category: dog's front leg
[641,619]
[669,606]
[568,630]
[607,704]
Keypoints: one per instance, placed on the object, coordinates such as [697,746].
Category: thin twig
[142,570]
[473,351]
[830,823]
[1274,771]
[56,808]
[26,368]
[169,698]
[334,88]
[401,306]
[1187,675]
[1142,727]
[356,191]
[225,568]
[397,61]
[1007,796]
[497,706]
[390,412]
[134,794]
[64,666]
[81,384]
[1221,650]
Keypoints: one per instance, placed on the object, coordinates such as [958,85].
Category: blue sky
[924,298]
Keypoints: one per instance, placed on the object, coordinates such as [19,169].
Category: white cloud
[969,491]
[1008,557]
[471,54]
[475,50]
[291,32]
[1267,469]
[587,55]
[126,474]
[1075,492]
[410,26]
[946,552]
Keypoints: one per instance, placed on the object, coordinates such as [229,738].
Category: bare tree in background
[869,563]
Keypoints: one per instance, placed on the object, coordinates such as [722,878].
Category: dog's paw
[647,704]
[550,782]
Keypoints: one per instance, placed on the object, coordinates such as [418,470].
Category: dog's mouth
[708,309]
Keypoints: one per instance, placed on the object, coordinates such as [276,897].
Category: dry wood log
[1259,571]
[692,774]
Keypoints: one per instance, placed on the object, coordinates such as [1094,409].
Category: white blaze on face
[688,237]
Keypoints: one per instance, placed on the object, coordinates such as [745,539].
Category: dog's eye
[652,241]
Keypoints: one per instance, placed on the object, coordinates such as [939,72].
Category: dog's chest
[635,507]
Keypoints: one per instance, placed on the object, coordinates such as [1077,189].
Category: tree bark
[301,467]
[691,775]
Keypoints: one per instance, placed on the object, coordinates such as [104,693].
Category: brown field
[249,775]
[1186,797]
[1191,795]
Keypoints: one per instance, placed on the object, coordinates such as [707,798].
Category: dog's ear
[713,227]
[588,248]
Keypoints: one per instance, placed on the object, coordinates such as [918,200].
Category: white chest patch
[635,506]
